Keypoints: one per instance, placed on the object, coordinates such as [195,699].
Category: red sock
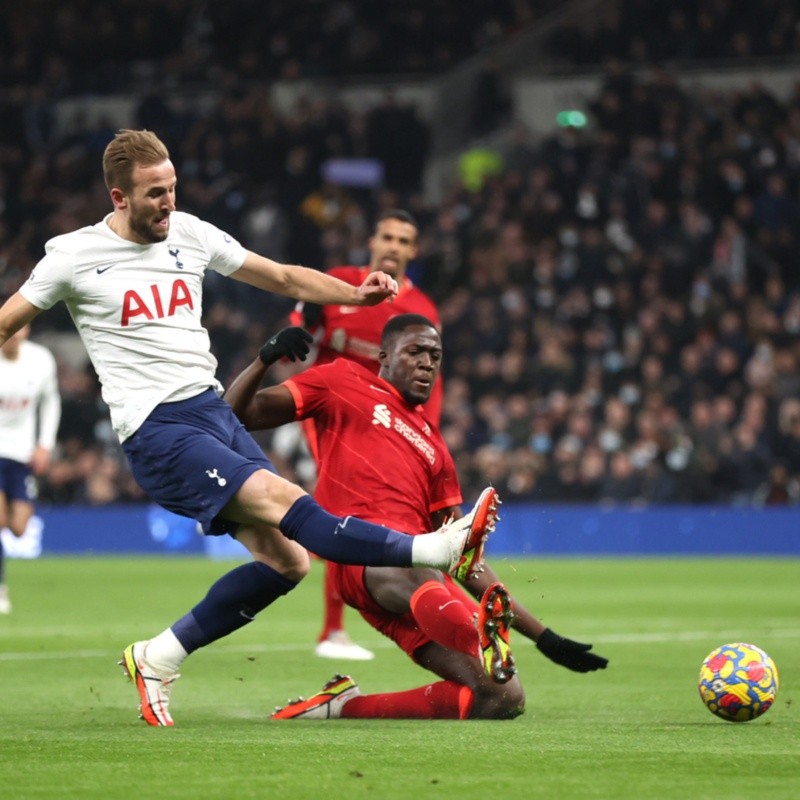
[334,606]
[443,615]
[443,700]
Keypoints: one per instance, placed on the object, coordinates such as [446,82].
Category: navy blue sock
[346,541]
[233,601]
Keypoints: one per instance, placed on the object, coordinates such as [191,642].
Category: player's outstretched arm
[566,652]
[15,313]
[311,285]
[268,408]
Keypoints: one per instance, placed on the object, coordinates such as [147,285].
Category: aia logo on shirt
[159,303]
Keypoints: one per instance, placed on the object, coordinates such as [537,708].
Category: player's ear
[119,198]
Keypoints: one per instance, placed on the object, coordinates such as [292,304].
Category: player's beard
[415,398]
[143,225]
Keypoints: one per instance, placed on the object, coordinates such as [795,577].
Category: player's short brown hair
[128,149]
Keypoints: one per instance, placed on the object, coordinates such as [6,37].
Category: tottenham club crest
[214,474]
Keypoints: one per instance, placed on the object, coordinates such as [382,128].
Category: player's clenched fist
[377,286]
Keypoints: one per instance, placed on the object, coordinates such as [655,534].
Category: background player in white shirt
[30,410]
[132,284]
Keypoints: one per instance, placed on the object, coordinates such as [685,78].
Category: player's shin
[233,601]
[444,618]
[346,540]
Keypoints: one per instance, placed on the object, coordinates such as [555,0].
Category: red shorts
[402,629]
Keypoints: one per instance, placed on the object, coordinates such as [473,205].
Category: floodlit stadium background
[608,199]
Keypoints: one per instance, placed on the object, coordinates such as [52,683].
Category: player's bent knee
[269,546]
[501,701]
[264,498]
[300,566]
[293,565]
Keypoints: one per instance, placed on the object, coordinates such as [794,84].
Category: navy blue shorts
[192,456]
[16,481]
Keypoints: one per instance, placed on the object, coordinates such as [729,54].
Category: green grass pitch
[69,727]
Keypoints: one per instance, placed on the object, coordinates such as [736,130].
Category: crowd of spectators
[620,303]
[644,32]
[82,46]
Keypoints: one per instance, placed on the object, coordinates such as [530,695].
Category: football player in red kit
[374,441]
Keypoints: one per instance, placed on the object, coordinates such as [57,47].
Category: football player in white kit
[132,284]
[30,410]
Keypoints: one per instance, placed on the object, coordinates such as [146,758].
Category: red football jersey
[378,457]
[355,331]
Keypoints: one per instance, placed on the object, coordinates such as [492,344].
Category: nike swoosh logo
[341,526]
[101,270]
[378,389]
[448,603]
[247,616]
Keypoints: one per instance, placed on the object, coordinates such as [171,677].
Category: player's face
[150,202]
[412,362]
[393,245]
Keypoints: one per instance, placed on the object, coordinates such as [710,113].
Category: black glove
[572,655]
[293,343]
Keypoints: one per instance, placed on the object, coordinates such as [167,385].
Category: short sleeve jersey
[379,458]
[26,383]
[355,331]
[137,308]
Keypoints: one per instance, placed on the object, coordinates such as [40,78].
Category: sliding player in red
[373,438]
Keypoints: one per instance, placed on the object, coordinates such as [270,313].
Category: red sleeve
[309,390]
[297,395]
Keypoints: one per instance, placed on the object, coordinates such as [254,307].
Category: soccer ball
[738,682]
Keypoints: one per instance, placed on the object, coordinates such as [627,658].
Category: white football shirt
[137,308]
[30,406]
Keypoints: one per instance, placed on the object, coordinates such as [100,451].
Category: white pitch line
[693,636]
[243,648]
[52,655]
[612,638]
